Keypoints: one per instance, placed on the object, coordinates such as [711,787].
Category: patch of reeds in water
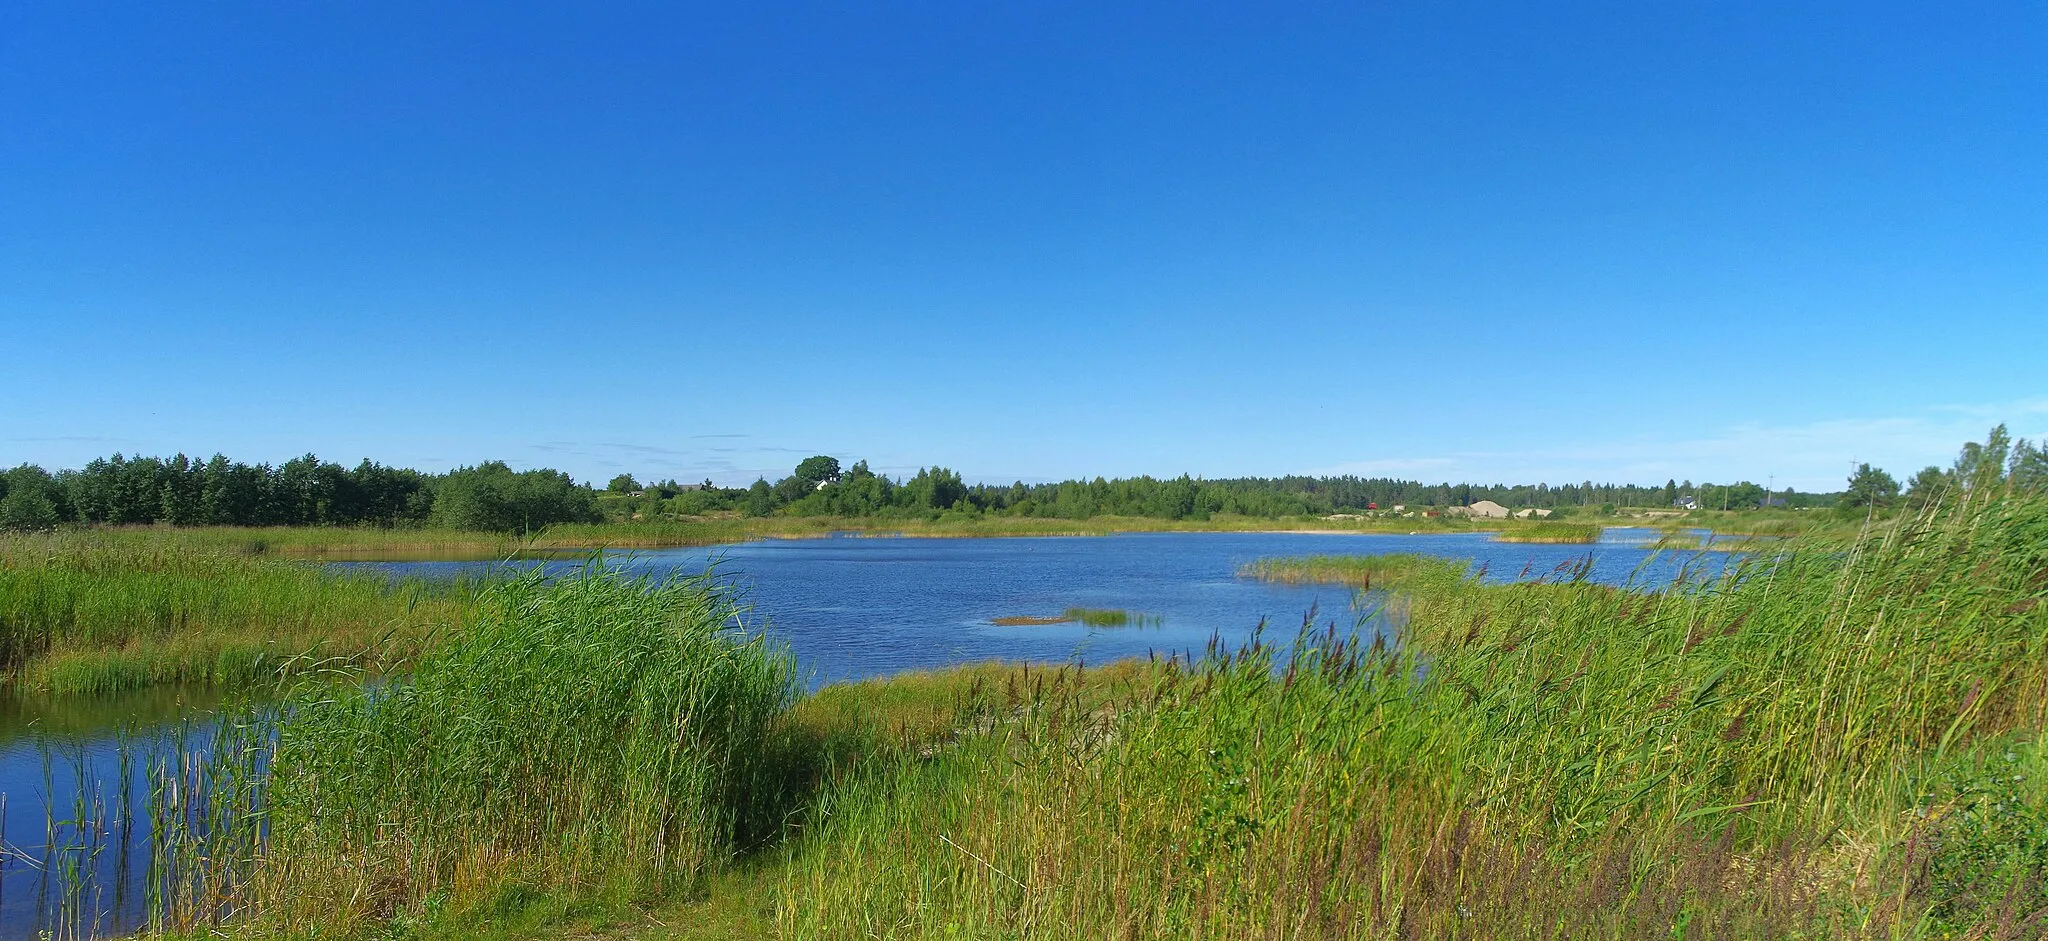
[1550,533]
[1092,617]
[1357,571]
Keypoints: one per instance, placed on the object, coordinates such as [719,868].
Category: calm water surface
[847,607]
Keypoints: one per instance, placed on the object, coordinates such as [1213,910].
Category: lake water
[852,607]
[847,607]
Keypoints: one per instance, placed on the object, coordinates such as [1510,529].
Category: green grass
[1821,745]
[84,614]
[588,738]
[1833,740]
[1554,533]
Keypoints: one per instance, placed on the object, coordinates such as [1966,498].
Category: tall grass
[1818,743]
[596,730]
[1829,741]
[81,614]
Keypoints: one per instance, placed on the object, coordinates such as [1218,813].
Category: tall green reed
[595,728]
[81,614]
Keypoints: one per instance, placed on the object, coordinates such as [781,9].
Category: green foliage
[491,497]
[1869,487]
[591,728]
[1926,487]
[760,498]
[302,491]
[818,470]
[1985,840]
[30,499]
[81,614]
[624,483]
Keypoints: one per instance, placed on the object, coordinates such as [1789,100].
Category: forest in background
[491,496]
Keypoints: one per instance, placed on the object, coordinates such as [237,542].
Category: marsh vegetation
[1839,738]
[80,613]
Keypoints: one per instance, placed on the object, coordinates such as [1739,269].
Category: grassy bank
[591,752]
[1817,745]
[83,614]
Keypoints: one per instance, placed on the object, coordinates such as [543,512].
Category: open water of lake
[853,607]
[847,607]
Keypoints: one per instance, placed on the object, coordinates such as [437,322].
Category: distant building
[1687,502]
[1771,501]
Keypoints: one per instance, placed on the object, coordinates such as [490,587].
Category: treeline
[491,496]
[818,488]
[1997,461]
[305,491]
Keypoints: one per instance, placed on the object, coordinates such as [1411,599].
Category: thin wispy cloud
[1810,456]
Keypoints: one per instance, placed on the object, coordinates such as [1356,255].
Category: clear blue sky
[1485,241]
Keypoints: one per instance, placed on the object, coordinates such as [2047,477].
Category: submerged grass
[1092,617]
[81,614]
[1113,617]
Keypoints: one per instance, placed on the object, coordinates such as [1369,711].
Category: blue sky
[1618,241]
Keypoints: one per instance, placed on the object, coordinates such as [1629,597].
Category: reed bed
[1358,571]
[1573,534]
[595,733]
[79,614]
[1815,744]
[1831,740]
